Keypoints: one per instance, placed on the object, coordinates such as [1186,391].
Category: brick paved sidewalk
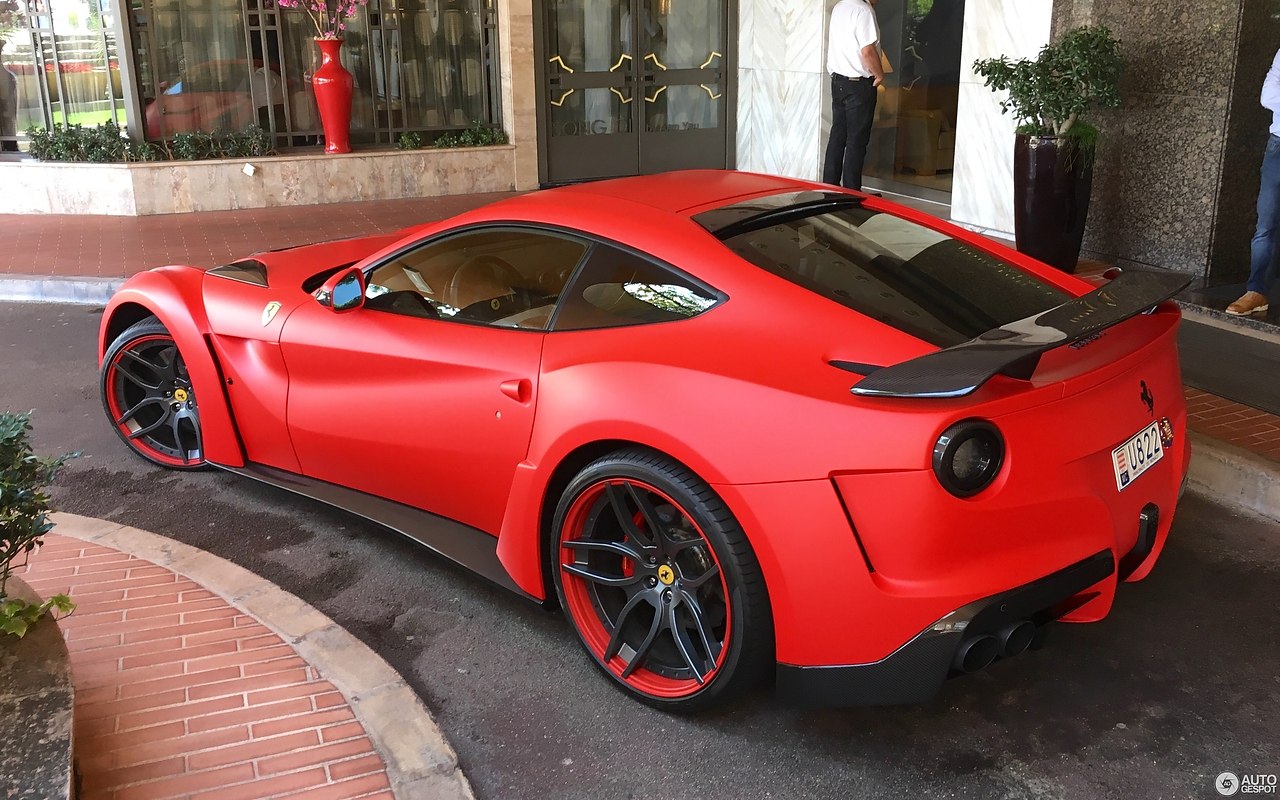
[1236,424]
[180,694]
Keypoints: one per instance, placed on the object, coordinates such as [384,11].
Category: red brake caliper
[629,566]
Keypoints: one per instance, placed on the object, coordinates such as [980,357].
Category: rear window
[906,275]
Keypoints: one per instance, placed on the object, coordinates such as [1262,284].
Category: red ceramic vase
[333,86]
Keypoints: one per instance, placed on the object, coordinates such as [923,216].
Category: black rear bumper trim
[916,671]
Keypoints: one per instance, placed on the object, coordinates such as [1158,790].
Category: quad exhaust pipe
[978,653]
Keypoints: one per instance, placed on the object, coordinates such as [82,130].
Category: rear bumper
[916,671]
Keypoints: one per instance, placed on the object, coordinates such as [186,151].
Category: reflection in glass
[60,65]
[347,294]
[682,108]
[590,37]
[913,139]
[680,35]
[200,69]
[591,112]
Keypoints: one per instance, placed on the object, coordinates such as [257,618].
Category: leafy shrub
[1049,94]
[24,517]
[409,141]
[105,144]
[475,136]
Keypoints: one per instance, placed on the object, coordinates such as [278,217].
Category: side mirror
[342,292]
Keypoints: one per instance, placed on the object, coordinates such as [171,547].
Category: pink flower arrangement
[330,16]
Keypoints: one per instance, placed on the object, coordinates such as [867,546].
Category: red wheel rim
[151,402]
[644,588]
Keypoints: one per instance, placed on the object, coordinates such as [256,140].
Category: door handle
[520,390]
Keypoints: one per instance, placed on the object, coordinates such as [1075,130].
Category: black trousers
[853,109]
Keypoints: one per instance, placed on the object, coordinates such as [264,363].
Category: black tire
[147,395]
[694,611]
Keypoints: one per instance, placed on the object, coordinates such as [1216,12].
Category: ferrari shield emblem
[269,313]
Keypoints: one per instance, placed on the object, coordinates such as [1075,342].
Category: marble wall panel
[778,122]
[169,187]
[519,87]
[34,188]
[781,35]
[982,188]
[781,86]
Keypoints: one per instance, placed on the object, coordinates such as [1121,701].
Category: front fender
[173,295]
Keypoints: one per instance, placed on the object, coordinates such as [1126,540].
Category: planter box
[174,187]
[36,700]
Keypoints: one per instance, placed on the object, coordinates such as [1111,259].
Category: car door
[426,394]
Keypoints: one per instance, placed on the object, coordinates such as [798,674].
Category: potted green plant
[1054,149]
[24,519]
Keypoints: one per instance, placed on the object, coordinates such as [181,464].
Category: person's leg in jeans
[1263,248]
[860,112]
[834,161]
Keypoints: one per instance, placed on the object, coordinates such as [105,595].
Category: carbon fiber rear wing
[1015,349]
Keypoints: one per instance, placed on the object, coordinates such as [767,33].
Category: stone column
[519,88]
[1177,171]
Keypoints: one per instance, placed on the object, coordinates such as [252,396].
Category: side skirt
[470,547]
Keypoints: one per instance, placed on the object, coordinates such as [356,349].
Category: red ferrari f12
[734,425]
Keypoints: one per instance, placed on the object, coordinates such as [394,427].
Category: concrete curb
[42,289]
[1234,477]
[420,763]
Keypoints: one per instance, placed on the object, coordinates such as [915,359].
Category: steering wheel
[501,276]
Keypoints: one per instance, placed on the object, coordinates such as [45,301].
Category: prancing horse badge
[269,313]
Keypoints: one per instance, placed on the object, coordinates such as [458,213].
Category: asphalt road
[1177,685]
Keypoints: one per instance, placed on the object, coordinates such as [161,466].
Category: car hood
[289,268]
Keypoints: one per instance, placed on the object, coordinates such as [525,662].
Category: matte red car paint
[411,409]
[743,395]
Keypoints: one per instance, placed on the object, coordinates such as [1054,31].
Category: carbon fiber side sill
[462,544]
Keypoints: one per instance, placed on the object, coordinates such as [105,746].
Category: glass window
[417,65]
[59,66]
[617,288]
[903,274]
[913,139]
[505,277]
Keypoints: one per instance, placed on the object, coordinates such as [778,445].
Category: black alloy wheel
[149,399]
[660,582]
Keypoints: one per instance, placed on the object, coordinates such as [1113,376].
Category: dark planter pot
[1052,180]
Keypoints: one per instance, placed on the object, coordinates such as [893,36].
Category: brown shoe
[1249,303]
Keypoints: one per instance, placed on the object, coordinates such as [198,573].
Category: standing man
[853,59]
[1261,263]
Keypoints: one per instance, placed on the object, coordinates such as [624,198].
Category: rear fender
[521,548]
[173,295]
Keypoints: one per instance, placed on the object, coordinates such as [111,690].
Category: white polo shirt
[853,27]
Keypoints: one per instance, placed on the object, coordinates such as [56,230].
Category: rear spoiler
[1015,349]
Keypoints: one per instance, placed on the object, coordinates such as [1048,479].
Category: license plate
[1136,456]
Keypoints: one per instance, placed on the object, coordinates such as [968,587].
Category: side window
[617,288]
[501,277]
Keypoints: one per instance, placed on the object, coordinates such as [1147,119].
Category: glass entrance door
[912,146]
[632,87]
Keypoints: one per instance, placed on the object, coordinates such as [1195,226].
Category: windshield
[919,281]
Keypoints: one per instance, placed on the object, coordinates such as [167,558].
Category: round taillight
[967,457]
